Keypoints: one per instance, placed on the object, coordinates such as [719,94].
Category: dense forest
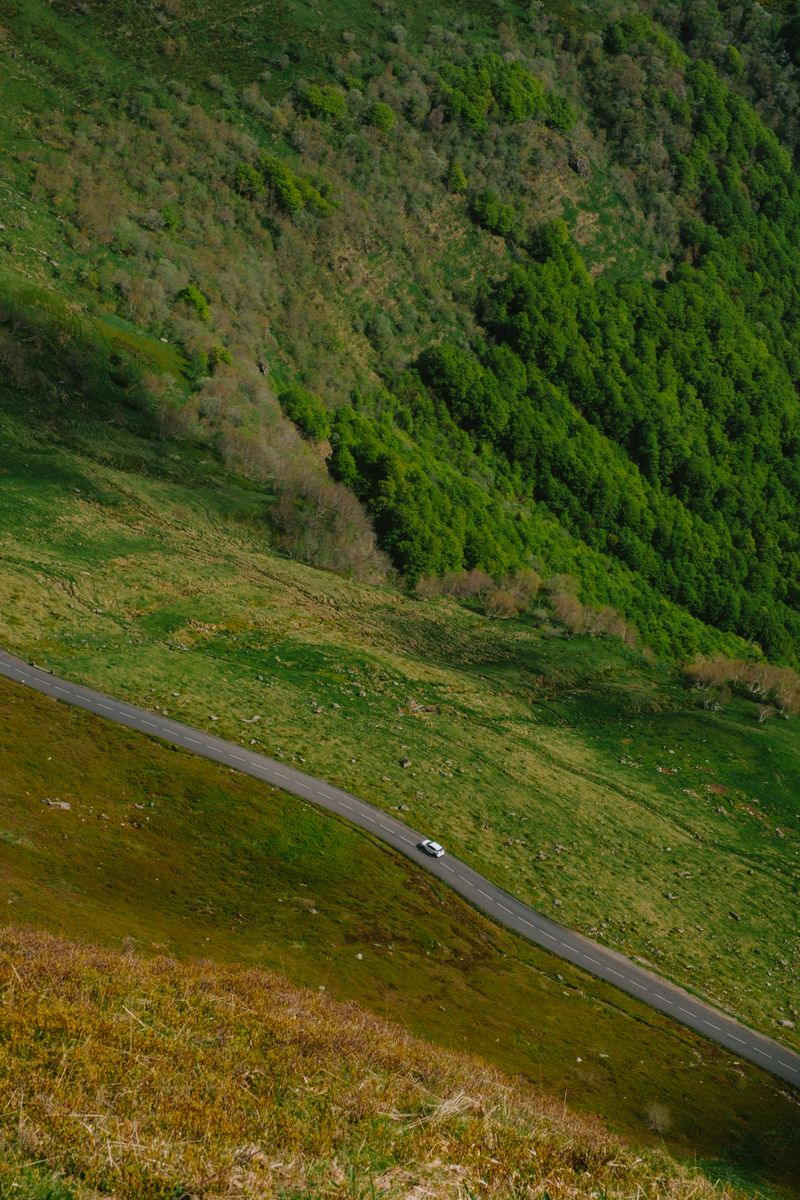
[519,286]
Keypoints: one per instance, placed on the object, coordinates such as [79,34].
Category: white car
[432,848]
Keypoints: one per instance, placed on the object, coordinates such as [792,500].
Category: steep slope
[163,853]
[504,268]
[544,759]
[149,1079]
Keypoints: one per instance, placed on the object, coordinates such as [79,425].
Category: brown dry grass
[154,1079]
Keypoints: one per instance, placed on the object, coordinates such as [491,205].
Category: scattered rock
[247,720]
[405,763]
[579,165]
[734,916]
[62,804]
[786,1023]
[359,955]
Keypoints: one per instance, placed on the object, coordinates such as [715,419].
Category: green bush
[195,300]
[292,192]
[282,182]
[247,181]
[218,355]
[171,215]
[489,211]
[323,100]
[490,86]
[561,114]
[456,178]
[381,116]
[316,197]
[307,411]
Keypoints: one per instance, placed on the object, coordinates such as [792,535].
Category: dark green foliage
[248,181]
[673,378]
[492,213]
[561,114]
[282,182]
[307,411]
[290,190]
[428,516]
[474,397]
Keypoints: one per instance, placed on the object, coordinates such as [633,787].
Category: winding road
[580,951]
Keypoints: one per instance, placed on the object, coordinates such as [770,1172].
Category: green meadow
[164,853]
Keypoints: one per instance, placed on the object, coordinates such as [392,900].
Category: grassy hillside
[149,1079]
[595,786]
[404,296]
[535,270]
[163,853]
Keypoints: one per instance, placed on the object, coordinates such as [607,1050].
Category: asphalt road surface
[582,952]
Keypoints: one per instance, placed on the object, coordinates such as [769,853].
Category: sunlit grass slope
[152,1080]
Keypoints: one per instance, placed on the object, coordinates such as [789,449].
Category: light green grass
[166,853]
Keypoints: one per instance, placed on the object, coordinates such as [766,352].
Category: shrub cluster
[491,87]
[307,411]
[774,689]
[288,189]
